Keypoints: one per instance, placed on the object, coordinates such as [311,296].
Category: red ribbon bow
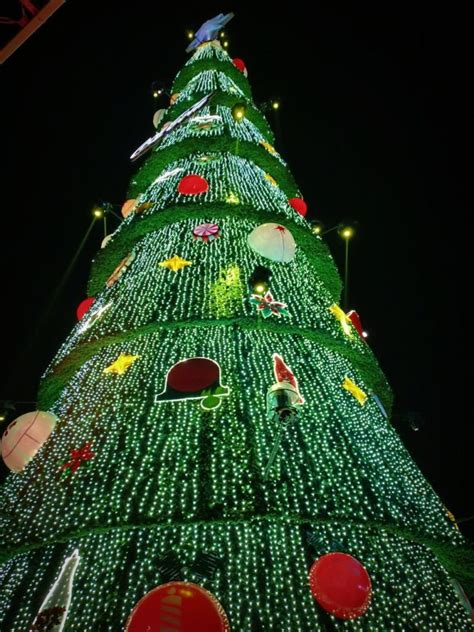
[80,455]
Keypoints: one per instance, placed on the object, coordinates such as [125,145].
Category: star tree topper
[175,263]
[209,30]
[121,364]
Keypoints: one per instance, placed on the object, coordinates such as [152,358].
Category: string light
[167,476]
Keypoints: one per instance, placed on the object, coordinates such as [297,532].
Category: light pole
[346,231]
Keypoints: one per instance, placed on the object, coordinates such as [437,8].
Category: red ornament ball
[299,205]
[341,585]
[240,64]
[84,307]
[177,606]
[193,185]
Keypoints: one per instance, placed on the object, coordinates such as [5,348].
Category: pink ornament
[25,436]
[84,307]
[299,205]
[206,232]
[128,207]
[120,269]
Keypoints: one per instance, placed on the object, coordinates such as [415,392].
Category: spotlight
[158,88]
[316,227]
[414,420]
[238,112]
[346,230]
[189,35]
[259,281]
[5,409]
[276,105]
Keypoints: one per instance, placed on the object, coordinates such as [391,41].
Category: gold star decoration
[268,147]
[121,364]
[354,390]
[175,263]
[232,198]
[143,207]
[342,318]
[271,180]
[452,518]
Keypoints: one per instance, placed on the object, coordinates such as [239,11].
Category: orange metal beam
[30,28]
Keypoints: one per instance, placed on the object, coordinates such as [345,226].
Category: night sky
[372,125]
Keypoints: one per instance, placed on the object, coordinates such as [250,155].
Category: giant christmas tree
[214,449]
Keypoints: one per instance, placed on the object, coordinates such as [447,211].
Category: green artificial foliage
[312,245]
[227,100]
[55,382]
[227,67]
[255,153]
[202,430]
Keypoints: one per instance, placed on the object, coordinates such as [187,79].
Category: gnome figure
[283,400]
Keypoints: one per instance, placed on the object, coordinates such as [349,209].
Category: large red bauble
[195,374]
[193,185]
[341,585]
[299,205]
[240,64]
[179,606]
[84,307]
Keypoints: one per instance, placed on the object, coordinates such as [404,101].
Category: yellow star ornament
[342,318]
[354,390]
[121,364]
[268,147]
[269,178]
[175,263]
[452,518]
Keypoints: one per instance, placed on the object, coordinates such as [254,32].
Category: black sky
[373,126]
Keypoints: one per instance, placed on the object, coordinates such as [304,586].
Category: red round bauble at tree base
[340,585]
[240,64]
[84,307]
[299,205]
[178,606]
[193,185]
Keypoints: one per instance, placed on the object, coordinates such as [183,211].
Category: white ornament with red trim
[273,241]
